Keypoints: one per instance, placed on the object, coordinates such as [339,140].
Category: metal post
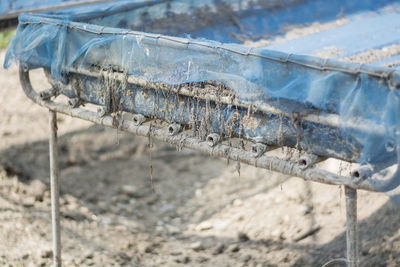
[55,188]
[351,227]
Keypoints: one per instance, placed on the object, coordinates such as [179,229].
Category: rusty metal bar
[55,189]
[184,140]
[351,227]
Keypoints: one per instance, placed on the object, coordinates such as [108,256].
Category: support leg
[351,227]
[55,188]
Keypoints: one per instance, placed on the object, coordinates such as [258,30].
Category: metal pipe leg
[351,227]
[55,189]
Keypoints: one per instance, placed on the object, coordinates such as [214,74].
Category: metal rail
[324,119]
[183,139]
[328,119]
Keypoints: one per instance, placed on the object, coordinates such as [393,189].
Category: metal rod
[55,189]
[351,227]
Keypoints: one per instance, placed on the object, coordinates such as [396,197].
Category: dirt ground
[202,212]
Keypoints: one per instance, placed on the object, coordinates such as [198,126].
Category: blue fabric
[111,35]
[15,5]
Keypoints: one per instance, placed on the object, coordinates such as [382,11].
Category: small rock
[176,221]
[129,190]
[237,202]
[286,259]
[102,205]
[234,248]
[202,259]
[89,255]
[45,254]
[25,256]
[123,257]
[166,207]
[204,226]
[243,237]
[74,215]
[145,247]
[198,192]
[106,220]
[159,229]
[246,258]
[306,209]
[173,230]
[219,249]
[28,201]
[197,246]
[37,189]
[122,199]
[151,199]
[175,253]
[276,233]
[184,260]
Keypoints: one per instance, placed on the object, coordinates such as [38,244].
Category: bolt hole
[356,174]
[170,129]
[303,162]
[390,145]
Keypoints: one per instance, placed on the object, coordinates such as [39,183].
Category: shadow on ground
[105,183]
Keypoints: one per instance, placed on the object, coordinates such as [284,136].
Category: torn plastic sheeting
[293,83]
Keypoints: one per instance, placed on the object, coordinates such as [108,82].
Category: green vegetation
[5,38]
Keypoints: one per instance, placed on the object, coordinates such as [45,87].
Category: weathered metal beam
[184,140]
[204,115]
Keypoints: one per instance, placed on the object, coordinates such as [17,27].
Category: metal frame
[304,168]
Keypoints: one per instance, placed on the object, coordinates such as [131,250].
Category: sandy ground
[202,212]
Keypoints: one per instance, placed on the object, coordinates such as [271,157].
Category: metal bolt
[47,94]
[138,119]
[74,102]
[307,160]
[174,129]
[362,173]
[390,145]
[213,139]
[258,149]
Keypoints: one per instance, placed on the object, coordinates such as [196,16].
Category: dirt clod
[37,189]
[243,237]
[219,249]
[234,248]
[48,253]
[197,246]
